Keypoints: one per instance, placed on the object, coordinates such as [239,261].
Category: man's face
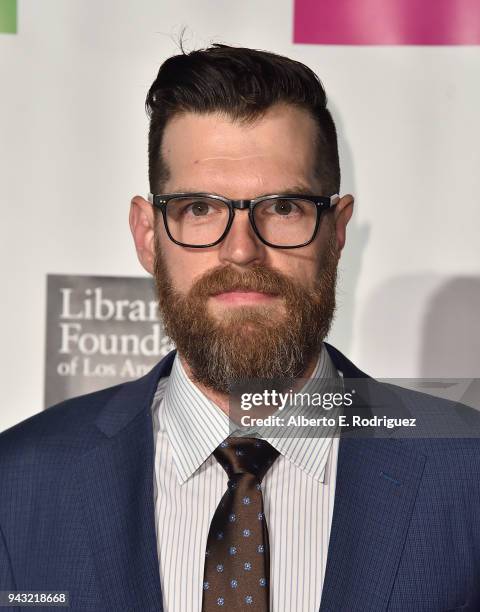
[242,309]
[210,153]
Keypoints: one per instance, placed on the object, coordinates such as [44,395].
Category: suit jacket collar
[133,398]
[377,482]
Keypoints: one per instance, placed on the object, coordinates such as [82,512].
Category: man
[138,497]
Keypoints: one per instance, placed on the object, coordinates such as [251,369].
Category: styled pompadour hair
[242,83]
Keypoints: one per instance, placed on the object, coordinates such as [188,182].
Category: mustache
[225,278]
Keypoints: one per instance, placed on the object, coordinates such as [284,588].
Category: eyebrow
[291,190]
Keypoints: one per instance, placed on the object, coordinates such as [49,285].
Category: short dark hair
[242,83]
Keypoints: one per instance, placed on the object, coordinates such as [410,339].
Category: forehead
[212,152]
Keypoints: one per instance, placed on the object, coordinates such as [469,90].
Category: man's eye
[197,209]
[284,208]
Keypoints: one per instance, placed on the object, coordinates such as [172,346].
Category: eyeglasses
[201,220]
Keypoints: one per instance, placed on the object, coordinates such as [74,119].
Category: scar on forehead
[229,158]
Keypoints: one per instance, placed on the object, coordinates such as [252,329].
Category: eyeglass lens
[199,221]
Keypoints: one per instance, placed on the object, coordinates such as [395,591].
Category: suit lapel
[376,487]
[116,491]
[377,483]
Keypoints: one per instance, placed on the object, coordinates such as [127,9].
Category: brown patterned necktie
[237,569]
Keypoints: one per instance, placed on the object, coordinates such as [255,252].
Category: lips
[243,296]
[252,291]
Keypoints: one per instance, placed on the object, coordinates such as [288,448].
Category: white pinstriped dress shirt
[298,492]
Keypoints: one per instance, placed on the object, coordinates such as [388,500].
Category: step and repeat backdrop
[402,77]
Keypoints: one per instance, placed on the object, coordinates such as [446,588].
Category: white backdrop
[73,139]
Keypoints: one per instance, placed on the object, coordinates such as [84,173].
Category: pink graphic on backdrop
[387,22]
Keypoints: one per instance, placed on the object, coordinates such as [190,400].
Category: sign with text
[387,22]
[101,331]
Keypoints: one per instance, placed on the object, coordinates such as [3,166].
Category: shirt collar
[308,451]
[195,425]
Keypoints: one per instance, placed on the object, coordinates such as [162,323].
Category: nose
[241,246]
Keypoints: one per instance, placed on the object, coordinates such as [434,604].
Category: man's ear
[142,223]
[343,212]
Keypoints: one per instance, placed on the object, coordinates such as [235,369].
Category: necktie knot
[245,456]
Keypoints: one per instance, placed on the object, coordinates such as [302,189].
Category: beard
[248,342]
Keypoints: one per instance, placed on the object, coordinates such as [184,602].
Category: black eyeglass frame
[322,203]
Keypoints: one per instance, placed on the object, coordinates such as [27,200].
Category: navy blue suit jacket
[77,510]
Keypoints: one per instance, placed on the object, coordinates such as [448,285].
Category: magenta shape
[387,22]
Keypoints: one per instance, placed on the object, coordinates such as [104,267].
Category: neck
[222,399]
